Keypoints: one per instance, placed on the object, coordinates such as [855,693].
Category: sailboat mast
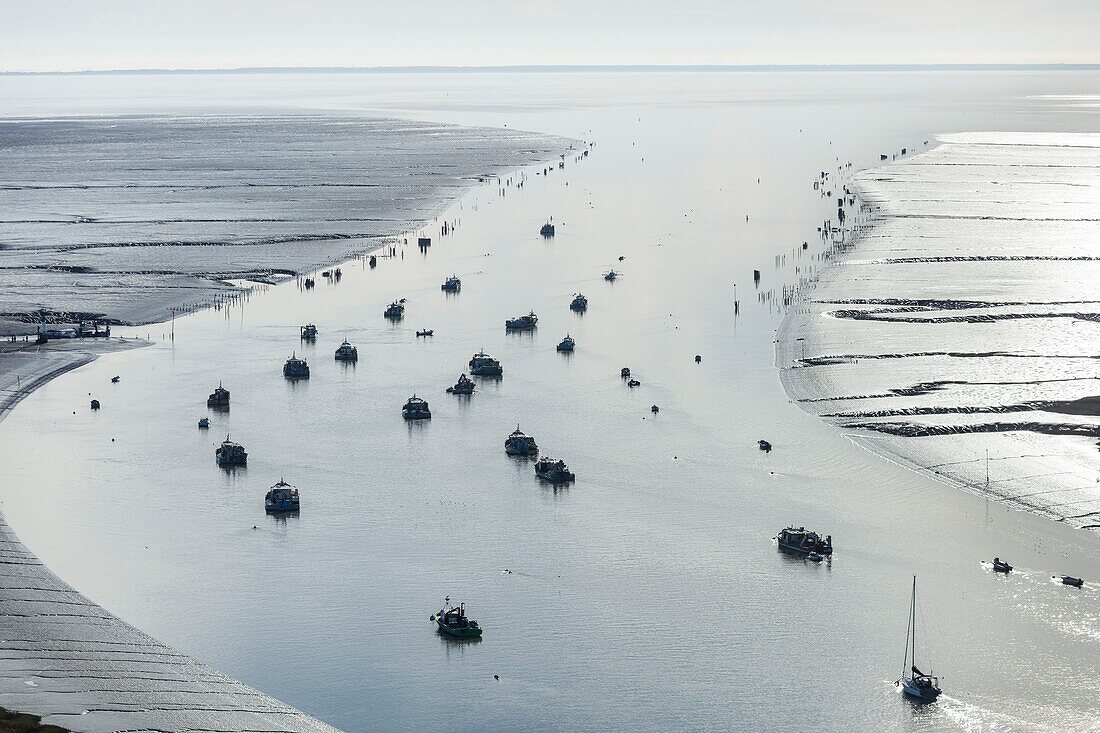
[913,610]
[908,633]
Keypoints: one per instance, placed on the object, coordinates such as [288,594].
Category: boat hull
[465,632]
[914,692]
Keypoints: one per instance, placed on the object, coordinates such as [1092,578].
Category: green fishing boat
[453,622]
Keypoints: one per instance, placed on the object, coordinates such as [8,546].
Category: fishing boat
[1070,580]
[632,383]
[347,352]
[610,275]
[296,368]
[451,285]
[547,230]
[654,409]
[95,404]
[416,409]
[554,471]
[1000,566]
[624,372]
[914,683]
[423,242]
[218,398]
[280,498]
[803,541]
[309,332]
[522,323]
[426,332]
[579,303]
[520,444]
[483,365]
[395,311]
[764,446]
[114,379]
[452,621]
[567,343]
[373,261]
[204,423]
[464,385]
[230,454]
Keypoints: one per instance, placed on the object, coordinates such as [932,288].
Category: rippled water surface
[647,595]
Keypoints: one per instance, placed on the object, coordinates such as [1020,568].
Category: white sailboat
[914,683]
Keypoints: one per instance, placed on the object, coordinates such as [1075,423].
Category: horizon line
[573,68]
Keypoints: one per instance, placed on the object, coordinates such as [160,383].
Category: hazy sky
[111,34]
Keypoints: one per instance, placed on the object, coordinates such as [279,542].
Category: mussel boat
[416,409]
[567,343]
[218,398]
[282,497]
[309,332]
[451,285]
[803,541]
[452,621]
[95,404]
[522,323]
[296,368]
[230,454]
[547,230]
[520,444]
[395,311]
[464,385]
[204,423]
[483,365]
[579,303]
[610,275]
[347,352]
[554,471]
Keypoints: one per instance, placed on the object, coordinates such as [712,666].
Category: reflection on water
[648,595]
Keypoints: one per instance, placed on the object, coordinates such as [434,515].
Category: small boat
[914,683]
[218,398]
[483,365]
[427,332]
[1000,566]
[95,404]
[698,359]
[347,352]
[423,242]
[547,230]
[803,541]
[395,311]
[451,285]
[522,323]
[337,274]
[1070,580]
[373,262]
[230,454]
[624,372]
[464,385]
[633,383]
[567,343]
[554,471]
[204,423]
[416,409]
[453,621]
[764,446]
[309,332]
[326,273]
[114,379]
[296,368]
[610,275]
[654,409]
[579,303]
[309,283]
[520,444]
[282,497]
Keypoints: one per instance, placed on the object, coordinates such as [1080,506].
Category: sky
[68,35]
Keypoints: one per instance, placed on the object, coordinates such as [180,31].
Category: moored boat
[426,332]
[567,343]
[282,497]
[547,230]
[579,303]
[296,368]
[95,404]
[452,620]
[309,332]
[464,385]
[451,285]
[610,275]
[1070,580]
[483,365]
[1000,566]
[625,372]
[347,352]
[395,311]
[913,683]
[230,453]
[218,398]
[416,409]
[520,444]
[554,471]
[522,323]
[204,423]
[373,261]
[803,541]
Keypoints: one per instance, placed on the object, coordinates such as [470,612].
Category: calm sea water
[647,595]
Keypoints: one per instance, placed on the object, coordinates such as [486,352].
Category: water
[645,596]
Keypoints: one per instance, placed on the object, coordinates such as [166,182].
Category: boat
[1070,580]
[204,422]
[373,261]
[914,683]
[452,620]
[579,303]
[309,283]
[624,372]
[309,332]
[1000,566]
[764,446]
[803,541]
[395,311]
[326,273]
[483,365]
[632,383]
[114,379]
[219,397]
[423,242]
[282,497]
[554,471]
[230,454]
[567,343]
[464,385]
[522,323]
[451,285]
[698,359]
[416,409]
[547,230]
[296,368]
[610,275]
[95,404]
[520,444]
[654,409]
[426,332]
[347,352]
